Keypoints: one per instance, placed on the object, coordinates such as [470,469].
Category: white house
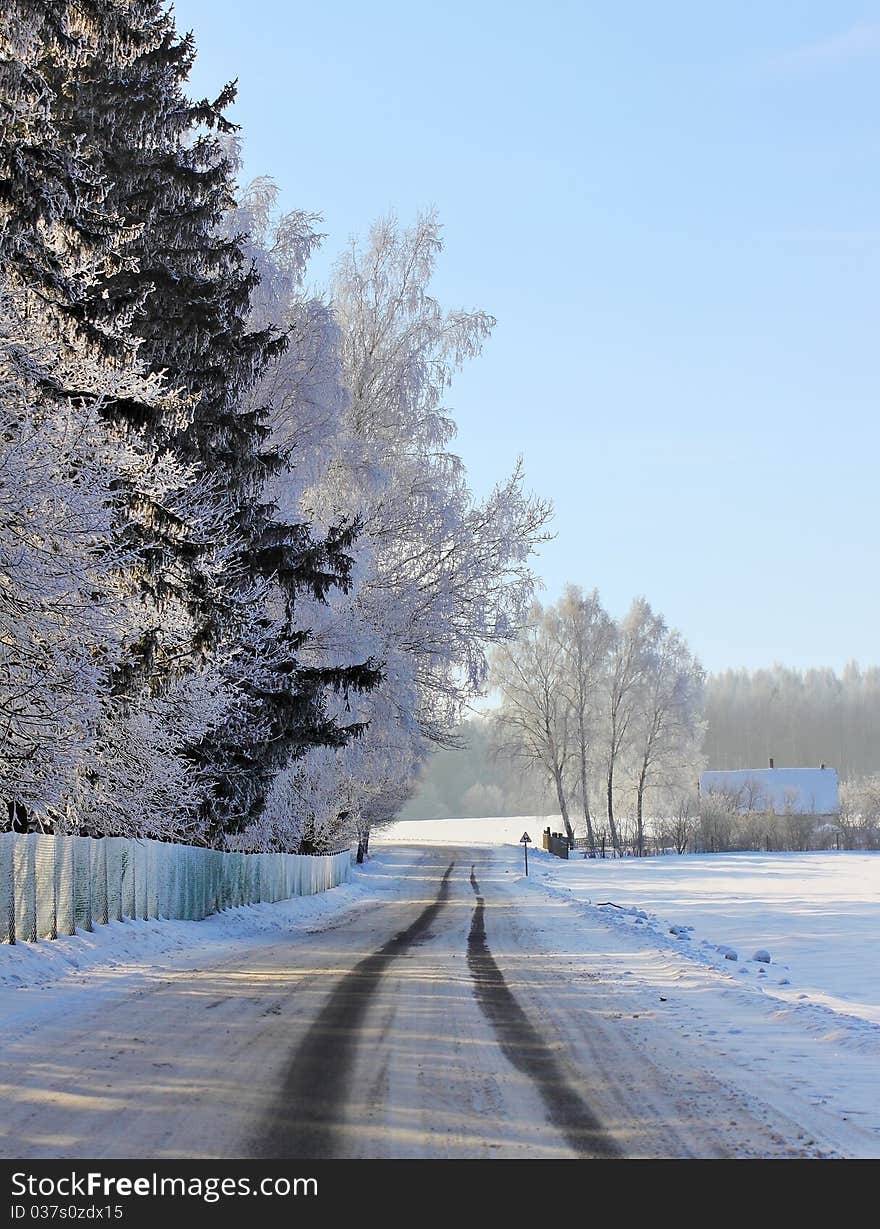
[781,791]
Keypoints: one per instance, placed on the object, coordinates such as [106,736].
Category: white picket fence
[55,885]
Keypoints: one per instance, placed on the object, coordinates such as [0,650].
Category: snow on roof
[801,791]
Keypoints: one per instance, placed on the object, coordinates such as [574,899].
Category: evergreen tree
[183,288]
[112,187]
[60,234]
[51,203]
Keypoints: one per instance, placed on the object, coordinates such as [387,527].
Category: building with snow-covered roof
[777,791]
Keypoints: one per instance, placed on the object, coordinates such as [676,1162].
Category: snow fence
[55,885]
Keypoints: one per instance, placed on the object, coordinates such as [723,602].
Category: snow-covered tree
[535,723]
[584,631]
[74,750]
[302,387]
[448,576]
[859,819]
[441,576]
[60,620]
[356,407]
[627,668]
[666,729]
[581,693]
[54,222]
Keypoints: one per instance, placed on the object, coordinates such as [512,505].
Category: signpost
[525,840]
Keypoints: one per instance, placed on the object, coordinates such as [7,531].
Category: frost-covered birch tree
[444,576]
[437,576]
[585,632]
[666,727]
[535,723]
[627,668]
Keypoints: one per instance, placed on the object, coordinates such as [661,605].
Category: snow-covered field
[817,915]
[683,934]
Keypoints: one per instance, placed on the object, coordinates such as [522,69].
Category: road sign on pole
[525,840]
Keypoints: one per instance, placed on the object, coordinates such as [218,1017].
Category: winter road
[423,1026]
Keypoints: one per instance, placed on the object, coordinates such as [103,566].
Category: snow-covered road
[439,1012]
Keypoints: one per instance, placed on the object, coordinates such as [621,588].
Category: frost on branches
[76,756]
[436,576]
[244,587]
[606,712]
[60,626]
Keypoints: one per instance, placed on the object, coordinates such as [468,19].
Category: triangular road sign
[525,839]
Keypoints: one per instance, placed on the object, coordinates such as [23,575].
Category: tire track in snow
[524,1046]
[308,1119]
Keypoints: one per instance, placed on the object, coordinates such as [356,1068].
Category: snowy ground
[810,1016]
[644,989]
[36,977]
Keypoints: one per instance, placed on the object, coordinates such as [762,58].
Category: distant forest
[800,717]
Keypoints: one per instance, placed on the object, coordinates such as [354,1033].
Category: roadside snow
[799,1032]
[804,923]
[807,922]
[689,938]
[38,979]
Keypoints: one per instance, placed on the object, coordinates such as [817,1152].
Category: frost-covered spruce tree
[51,204]
[183,289]
[73,380]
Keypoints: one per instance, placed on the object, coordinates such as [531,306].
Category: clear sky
[673,210]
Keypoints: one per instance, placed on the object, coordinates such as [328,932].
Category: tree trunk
[640,832]
[615,840]
[563,806]
[363,847]
[588,819]
[18,817]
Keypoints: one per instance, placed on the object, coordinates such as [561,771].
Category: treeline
[802,718]
[471,780]
[244,588]
[605,712]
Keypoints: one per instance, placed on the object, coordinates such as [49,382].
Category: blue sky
[673,210]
